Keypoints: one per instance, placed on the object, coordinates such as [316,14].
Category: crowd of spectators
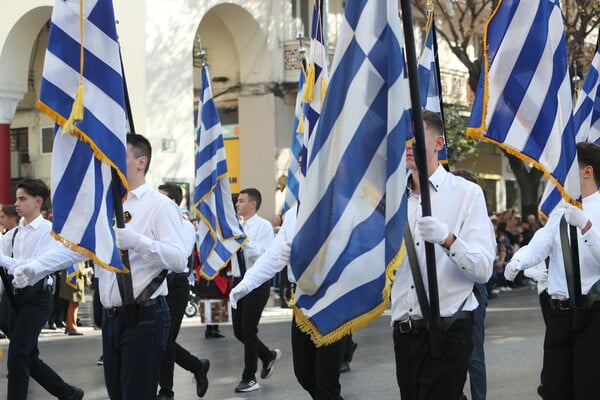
[512,233]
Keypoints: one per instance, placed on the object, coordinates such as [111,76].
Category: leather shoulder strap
[416,273]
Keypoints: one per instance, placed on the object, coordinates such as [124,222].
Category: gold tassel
[300,128]
[77,109]
[323,91]
[309,87]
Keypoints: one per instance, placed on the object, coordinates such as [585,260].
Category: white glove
[237,293]
[576,217]
[512,269]
[23,276]
[127,238]
[432,230]
[538,275]
[285,251]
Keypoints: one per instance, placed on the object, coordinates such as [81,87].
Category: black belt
[565,305]
[116,311]
[415,325]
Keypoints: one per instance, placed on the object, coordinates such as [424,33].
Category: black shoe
[2,335]
[100,360]
[76,394]
[162,396]
[247,386]
[213,335]
[51,326]
[201,378]
[60,324]
[345,367]
[540,391]
[267,369]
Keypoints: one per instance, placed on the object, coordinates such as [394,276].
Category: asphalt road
[514,336]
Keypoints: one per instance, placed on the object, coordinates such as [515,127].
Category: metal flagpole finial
[429,6]
[201,54]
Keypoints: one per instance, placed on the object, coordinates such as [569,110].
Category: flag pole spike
[435,322]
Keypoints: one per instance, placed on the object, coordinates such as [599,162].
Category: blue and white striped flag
[353,206]
[294,174]
[83,156]
[429,86]
[586,120]
[317,76]
[523,102]
[219,232]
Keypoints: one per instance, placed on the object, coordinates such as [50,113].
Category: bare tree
[460,23]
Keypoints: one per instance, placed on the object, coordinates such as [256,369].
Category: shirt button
[463,267]
[412,286]
[418,243]
[453,254]
[410,310]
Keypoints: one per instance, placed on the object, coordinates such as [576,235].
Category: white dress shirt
[459,204]
[268,263]
[546,242]
[260,233]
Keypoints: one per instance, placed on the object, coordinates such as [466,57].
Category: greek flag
[586,119]
[352,212]
[72,275]
[293,176]
[317,76]
[219,232]
[429,86]
[523,102]
[85,152]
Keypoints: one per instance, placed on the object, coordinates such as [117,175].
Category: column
[8,106]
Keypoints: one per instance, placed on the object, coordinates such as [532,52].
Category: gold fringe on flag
[77,109]
[323,91]
[300,128]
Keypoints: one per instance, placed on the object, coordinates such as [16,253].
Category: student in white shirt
[249,309]
[463,239]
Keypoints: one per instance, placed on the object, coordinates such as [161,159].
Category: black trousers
[317,368]
[23,360]
[421,377]
[174,353]
[571,357]
[245,328]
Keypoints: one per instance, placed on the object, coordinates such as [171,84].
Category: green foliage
[460,146]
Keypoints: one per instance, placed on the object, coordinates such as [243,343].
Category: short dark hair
[588,154]
[10,211]
[253,195]
[434,121]
[173,191]
[35,188]
[466,174]
[141,147]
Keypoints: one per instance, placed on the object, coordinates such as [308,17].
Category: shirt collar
[140,190]
[33,224]
[435,180]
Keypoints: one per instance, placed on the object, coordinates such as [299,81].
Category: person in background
[248,312]
[177,300]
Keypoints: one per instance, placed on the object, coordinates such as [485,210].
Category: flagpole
[439,81]
[124,280]
[435,322]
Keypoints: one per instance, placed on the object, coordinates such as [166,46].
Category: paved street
[514,339]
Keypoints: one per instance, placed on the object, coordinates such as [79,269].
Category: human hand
[512,269]
[127,238]
[538,275]
[285,251]
[23,276]
[237,293]
[432,230]
[576,217]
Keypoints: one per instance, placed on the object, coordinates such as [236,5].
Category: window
[47,139]
[19,141]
